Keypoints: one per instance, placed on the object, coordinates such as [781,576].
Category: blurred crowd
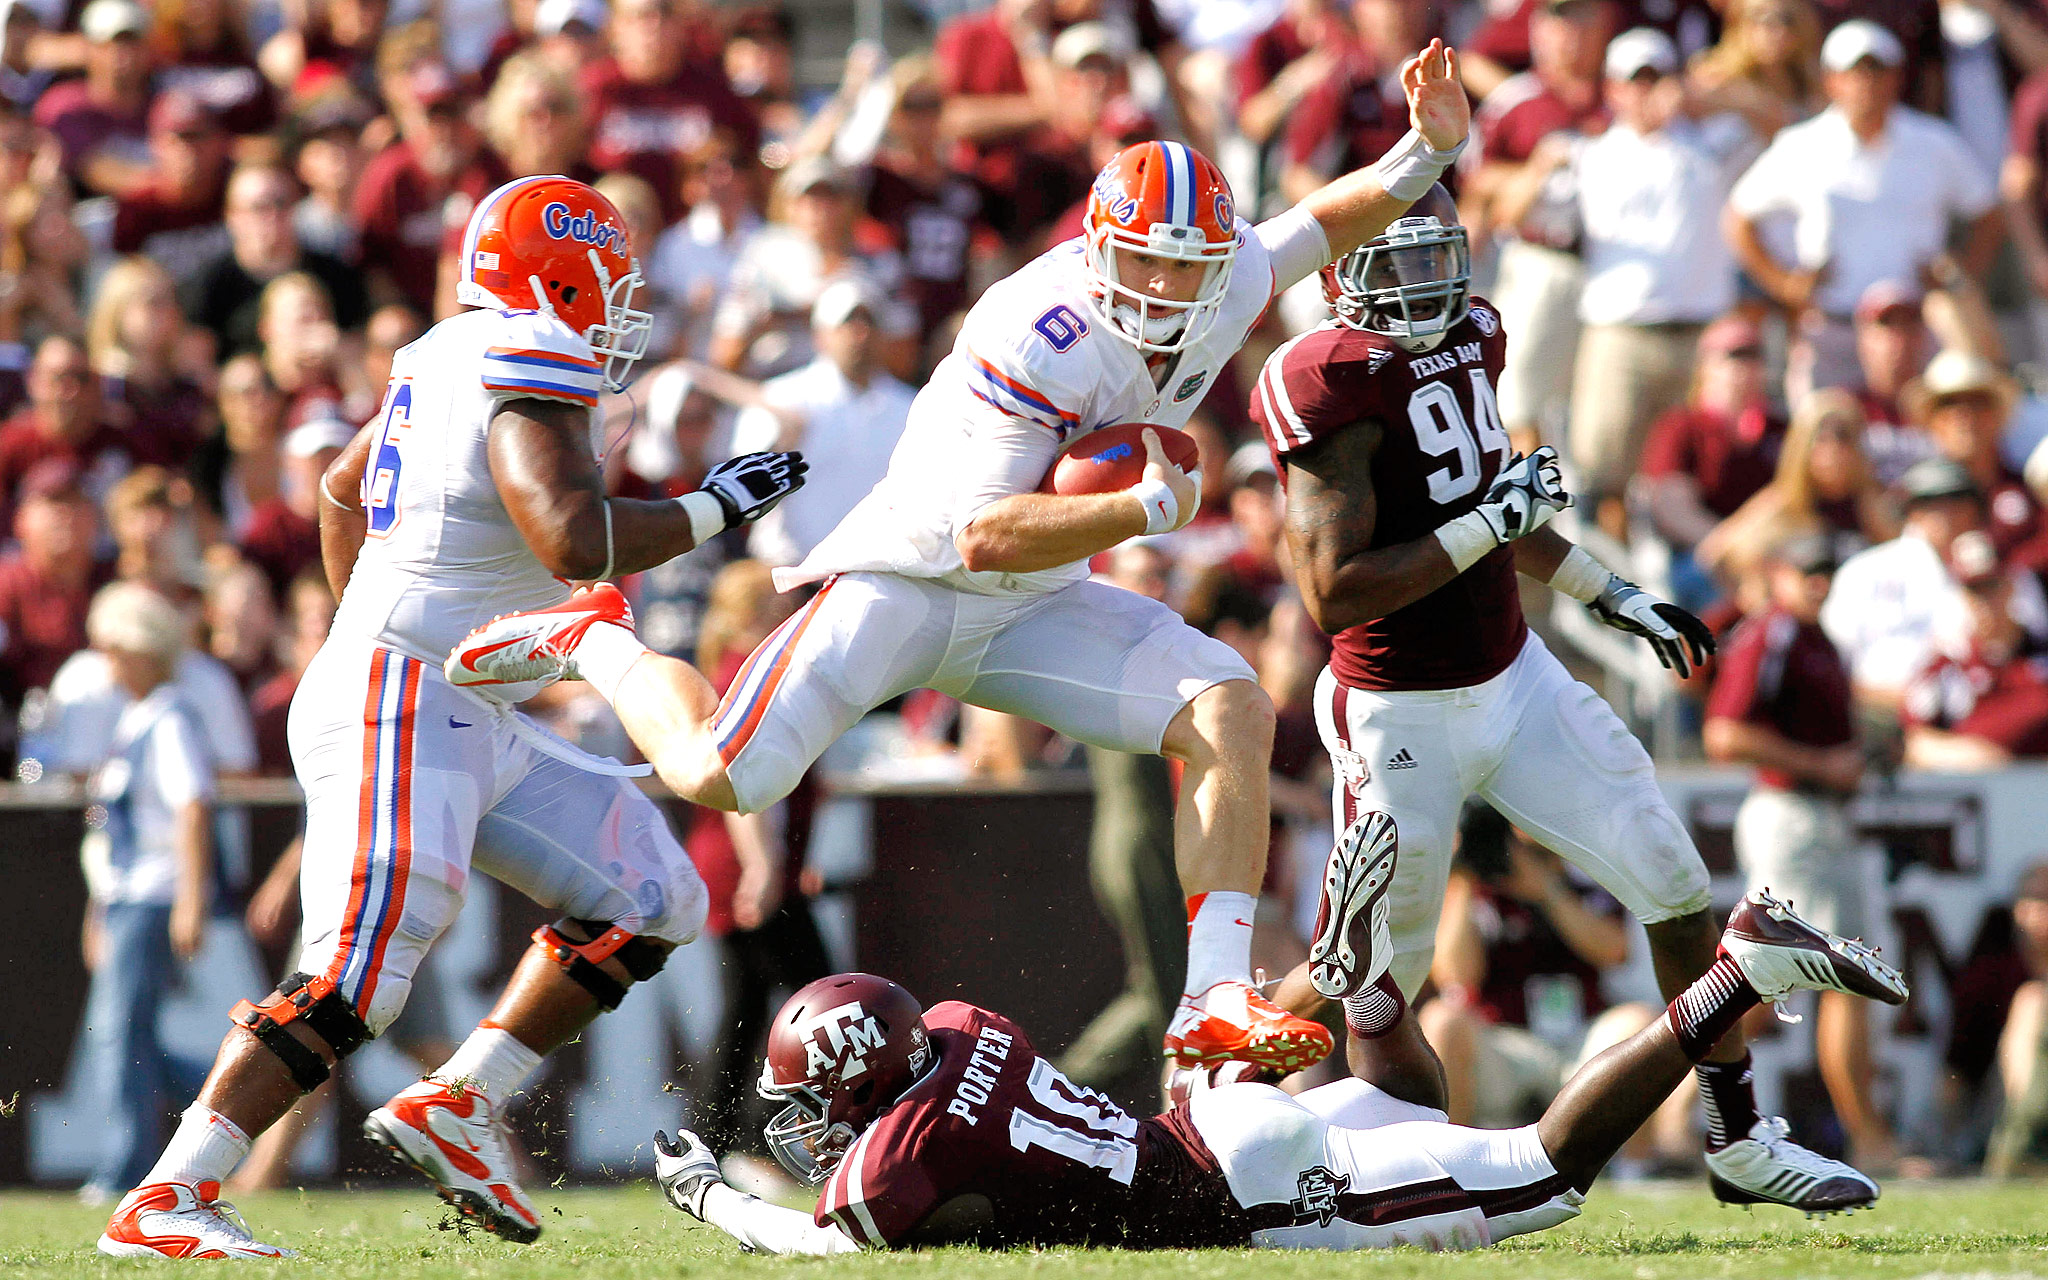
[1774,275]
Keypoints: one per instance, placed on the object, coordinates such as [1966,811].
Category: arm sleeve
[1970,187]
[184,769]
[1762,189]
[1735,679]
[1004,454]
[535,356]
[1669,449]
[223,713]
[1295,244]
[770,1228]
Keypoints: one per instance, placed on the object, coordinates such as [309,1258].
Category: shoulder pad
[527,353]
[1032,354]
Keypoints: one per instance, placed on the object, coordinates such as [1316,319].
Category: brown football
[1113,458]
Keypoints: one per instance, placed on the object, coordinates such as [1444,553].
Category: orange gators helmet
[1167,200]
[553,244]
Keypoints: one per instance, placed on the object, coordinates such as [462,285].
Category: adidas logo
[1401,760]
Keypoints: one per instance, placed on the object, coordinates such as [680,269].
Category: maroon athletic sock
[1706,1010]
[1730,1101]
[1376,1010]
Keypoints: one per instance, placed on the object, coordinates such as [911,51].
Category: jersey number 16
[380,478]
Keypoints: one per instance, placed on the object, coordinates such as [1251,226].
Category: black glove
[686,1170]
[749,486]
[1671,631]
[1523,497]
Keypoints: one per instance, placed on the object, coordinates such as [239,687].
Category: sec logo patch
[1190,385]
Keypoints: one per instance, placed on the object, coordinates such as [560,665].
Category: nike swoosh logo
[469,659]
[453,723]
[1246,923]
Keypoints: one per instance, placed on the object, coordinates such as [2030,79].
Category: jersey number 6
[1441,429]
[380,478]
[1061,328]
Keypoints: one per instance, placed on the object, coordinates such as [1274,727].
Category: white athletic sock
[1219,939]
[206,1148]
[493,1060]
[605,654]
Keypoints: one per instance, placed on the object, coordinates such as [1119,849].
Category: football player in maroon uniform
[1409,520]
[947,1126]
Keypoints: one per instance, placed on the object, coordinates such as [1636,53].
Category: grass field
[1956,1230]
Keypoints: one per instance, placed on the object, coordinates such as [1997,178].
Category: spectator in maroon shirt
[1966,403]
[40,248]
[1892,347]
[64,418]
[239,614]
[224,296]
[403,208]
[46,582]
[138,342]
[1284,63]
[309,612]
[174,216]
[650,103]
[283,537]
[323,40]
[1349,120]
[201,47]
[1782,703]
[1982,708]
[1707,458]
[101,121]
[1056,162]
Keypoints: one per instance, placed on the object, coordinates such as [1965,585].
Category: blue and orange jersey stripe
[384,832]
[746,701]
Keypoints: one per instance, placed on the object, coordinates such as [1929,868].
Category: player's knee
[1670,877]
[1234,719]
[697,775]
[306,1023]
[684,909]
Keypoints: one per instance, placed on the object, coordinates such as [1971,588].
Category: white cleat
[1353,945]
[179,1220]
[453,1137]
[515,655]
[1767,1167]
[1779,953]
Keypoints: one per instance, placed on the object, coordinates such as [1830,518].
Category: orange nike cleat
[526,652]
[453,1137]
[1232,1021]
[179,1220]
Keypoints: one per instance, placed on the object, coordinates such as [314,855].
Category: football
[1113,458]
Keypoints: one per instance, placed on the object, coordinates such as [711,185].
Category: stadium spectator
[692,261]
[534,120]
[1916,30]
[650,103]
[842,410]
[1782,703]
[1056,161]
[404,206]
[46,584]
[327,156]
[283,536]
[1863,192]
[1766,63]
[569,34]
[1892,347]
[101,121]
[2019,1144]
[1521,951]
[1280,68]
[760,65]
[40,248]
[308,613]
[390,327]
[300,343]
[1539,276]
[1649,191]
[64,418]
[173,214]
[201,48]
[1706,458]
[156,535]
[141,347]
[1966,404]
[2023,184]
[148,857]
[997,80]
[240,623]
[1357,111]
[762,328]
[324,41]
[1983,702]
[263,244]
[1822,485]
[237,470]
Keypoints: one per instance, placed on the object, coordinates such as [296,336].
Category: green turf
[1957,1231]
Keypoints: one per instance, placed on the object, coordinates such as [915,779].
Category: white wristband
[1466,540]
[1581,576]
[1162,509]
[707,515]
[1412,166]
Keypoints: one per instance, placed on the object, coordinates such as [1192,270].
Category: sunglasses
[1743,353]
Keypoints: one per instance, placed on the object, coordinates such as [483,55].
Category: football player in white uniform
[956,575]
[476,489]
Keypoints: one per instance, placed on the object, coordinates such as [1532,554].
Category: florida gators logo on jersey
[1190,385]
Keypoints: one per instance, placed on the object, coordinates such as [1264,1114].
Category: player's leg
[596,849]
[387,834]
[1114,669]
[1574,778]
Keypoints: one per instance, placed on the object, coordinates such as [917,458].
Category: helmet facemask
[1152,323]
[1412,284]
[803,1143]
[622,338]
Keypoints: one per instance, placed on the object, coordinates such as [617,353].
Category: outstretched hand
[1437,105]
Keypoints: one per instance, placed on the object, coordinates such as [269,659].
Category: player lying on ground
[955,574]
[950,1127]
[1409,526]
[474,490]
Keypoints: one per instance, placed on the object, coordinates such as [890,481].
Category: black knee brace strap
[327,1014]
[639,957]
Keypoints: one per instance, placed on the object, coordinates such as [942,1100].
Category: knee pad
[640,957]
[326,1013]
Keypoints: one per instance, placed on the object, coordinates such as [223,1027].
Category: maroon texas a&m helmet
[839,1052]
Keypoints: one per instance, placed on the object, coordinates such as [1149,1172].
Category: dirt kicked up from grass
[1945,1230]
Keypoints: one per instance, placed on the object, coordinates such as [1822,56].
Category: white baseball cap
[1857,39]
[1643,49]
[840,299]
[105,20]
[551,16]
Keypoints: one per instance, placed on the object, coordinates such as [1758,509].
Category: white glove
[1525,495]
[749,486]
[686,1170]
[1680,640]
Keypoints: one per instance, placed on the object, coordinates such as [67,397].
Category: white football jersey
[442,556]
[1033,369]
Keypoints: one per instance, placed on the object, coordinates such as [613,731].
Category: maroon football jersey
[1059,1164]
[1441,445]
